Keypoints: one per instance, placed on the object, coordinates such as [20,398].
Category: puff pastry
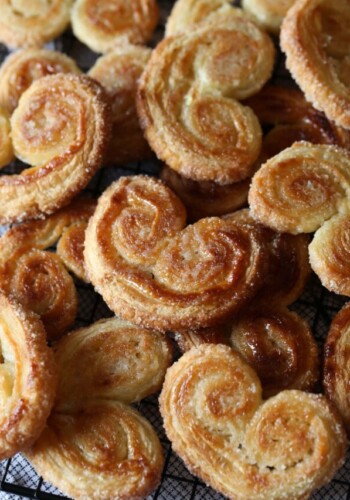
[217,422]
[153,271]
[104,24]
[119,72]
[187,99]
[27,377]
[315,37]
[22,68]
[268,14]
[6,149]
[64,163]
[336,373]
[34,23]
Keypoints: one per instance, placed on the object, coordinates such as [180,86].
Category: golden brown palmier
[27,377]
[217,422]
[105,24]
[153,271]
[37,278]
[119,72]
[34,23]
[62,127]
[187,99]
[315,37]
[336,372]
[268,14]
[22,68]
[6,149]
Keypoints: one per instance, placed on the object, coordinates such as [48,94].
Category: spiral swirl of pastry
[119,72]
[105,24]
[6,149]
[268,14]
[315,37]
[246,448]
[27,377]
[34,23]
[153,271]
[61,126]
[22,68]
[301,187]
[186,99]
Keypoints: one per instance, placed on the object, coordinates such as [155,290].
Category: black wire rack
[317,306]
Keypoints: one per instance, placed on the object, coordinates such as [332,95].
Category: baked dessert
[20,69]
[105,24]
[6,149]
[27,377]
[268,14]
[118,72]
[315,36]
[243,447]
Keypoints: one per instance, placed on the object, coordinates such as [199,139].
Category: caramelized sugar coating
[6,149]
[62,127]
[268,14]
[27,377]
[119,72]
[37,278]
[95,445]
[153,271]
[315,36]
[32,24]
[187,99]
[243,447]
[22,68]
[105,24]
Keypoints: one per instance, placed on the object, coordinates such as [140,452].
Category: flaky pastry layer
[268,14]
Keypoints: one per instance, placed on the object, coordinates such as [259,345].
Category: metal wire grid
[317,306]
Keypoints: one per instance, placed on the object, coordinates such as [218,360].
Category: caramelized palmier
[6,149]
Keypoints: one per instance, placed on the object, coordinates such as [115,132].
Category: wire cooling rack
[317,306]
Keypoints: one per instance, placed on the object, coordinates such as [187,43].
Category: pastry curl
[6,149]
[315,37]
[32,24]
[186,99]
[246,448]
[268,14]
[153,271]
[27,377]
[119,72]
[22,68]
[64,162]
[105,24]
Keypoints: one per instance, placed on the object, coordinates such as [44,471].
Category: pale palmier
[34,23]
[37,278]
[153,271]
[336,374]
[6,149]
[27,377]
[219,425]
[119,72]
[105,24]
[22,68]
[62,127]
[315,36]
[268,14]
[187,99]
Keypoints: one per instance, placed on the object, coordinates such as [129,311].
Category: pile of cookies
[179,260]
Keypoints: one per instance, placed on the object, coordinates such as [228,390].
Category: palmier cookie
[187,100]
[243,447]
[315,37]
[6,149]
[61,126]
[95,444]
[105,24]
[27,377]
[34,23]
[268,14]
[153,271]
[38,279]
[119,72]
[22,68]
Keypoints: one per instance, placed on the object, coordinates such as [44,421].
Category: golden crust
[20,69]
[315,37]
[6,149]
[186,99]
[246,448]
[152,271]
[105,24]
[268,14]
[34,23]
[64,163]
[119,72]
[27,377]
